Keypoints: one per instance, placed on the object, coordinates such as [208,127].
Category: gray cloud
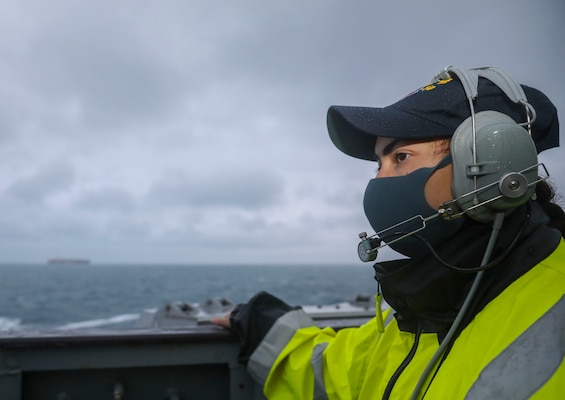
[245,190]
[153,132]
[49,180]
[107,199]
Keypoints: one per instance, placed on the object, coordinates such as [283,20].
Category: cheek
[411,166]
[417,161]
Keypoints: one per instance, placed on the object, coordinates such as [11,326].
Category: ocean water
[47,297]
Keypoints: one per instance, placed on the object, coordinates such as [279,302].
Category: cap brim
[354,130]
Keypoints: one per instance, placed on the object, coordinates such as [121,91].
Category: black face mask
[396,200]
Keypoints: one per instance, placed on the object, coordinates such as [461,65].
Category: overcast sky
[184,131]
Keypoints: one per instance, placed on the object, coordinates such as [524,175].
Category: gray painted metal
[197,363]
[194,362]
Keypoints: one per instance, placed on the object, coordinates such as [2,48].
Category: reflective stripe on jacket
[513,349]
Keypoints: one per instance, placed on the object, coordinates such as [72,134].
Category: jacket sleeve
[292,358]
[251,321]
[298,360]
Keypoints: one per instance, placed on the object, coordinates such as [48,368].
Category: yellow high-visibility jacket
[513,349]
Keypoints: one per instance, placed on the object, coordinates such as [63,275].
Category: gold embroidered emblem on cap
[433,85]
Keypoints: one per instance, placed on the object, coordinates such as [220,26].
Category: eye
[401,157]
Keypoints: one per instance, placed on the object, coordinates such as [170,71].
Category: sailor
[477,305]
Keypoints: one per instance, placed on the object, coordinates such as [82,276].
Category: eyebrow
[389,148]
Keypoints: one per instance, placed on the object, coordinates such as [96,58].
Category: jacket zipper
[403,365]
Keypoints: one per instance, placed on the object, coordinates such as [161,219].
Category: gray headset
[495,163]
[495,169]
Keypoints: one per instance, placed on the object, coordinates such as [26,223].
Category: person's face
[400,157]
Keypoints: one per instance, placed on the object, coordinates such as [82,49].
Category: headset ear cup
[505,166]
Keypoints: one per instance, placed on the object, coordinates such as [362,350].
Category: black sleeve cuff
[251,321]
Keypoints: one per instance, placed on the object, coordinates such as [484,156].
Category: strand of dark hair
[547,198]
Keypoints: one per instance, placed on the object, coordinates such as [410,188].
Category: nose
[384,172]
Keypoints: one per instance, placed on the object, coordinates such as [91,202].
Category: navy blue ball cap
[435,111]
